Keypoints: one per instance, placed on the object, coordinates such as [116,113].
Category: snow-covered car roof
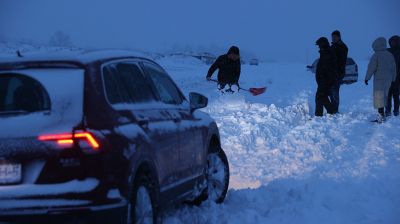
[66,59]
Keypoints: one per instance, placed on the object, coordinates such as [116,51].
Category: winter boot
[382,117]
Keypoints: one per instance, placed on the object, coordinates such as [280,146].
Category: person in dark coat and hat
[394,91]
[340,49]
[325,76]
[229,68]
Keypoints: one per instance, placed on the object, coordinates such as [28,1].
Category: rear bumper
[63,206]
[89,214]
[74,197]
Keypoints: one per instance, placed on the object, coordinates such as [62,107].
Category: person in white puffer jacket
[383,67]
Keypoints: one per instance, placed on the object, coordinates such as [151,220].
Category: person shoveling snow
[228,66]
[229,69]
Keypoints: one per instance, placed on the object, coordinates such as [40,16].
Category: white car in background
[351,75]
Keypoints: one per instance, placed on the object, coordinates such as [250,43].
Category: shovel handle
[240,88]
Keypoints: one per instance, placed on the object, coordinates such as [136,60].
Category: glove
[237,84]
[366,82]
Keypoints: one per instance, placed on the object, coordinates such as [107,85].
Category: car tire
[142,206]
[217,177]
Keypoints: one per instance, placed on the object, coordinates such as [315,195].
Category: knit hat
[394,41]
[234,50]
[336,33]
[322,42]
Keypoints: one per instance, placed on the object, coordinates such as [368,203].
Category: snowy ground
[286,168]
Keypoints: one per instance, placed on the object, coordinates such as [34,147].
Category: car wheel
[141,208]
[217,175]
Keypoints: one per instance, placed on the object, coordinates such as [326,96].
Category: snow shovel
[253,91]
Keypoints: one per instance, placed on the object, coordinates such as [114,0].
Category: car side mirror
[197,101]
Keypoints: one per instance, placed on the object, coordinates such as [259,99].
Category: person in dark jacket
[340,49]
[394,91]
[325,77]
[228,66]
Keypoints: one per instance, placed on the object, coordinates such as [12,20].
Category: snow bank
[10,48]
[288,167]
[181,60]
[312,200]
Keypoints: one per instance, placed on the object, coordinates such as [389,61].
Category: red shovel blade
[257,91]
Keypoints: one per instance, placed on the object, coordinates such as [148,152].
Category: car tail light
[69,139]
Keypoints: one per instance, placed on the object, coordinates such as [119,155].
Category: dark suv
[102,131]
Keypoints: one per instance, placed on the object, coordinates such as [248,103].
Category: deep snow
[286,168]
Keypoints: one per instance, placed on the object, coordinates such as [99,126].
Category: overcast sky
[279,30]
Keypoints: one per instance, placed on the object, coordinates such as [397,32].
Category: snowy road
[286,168]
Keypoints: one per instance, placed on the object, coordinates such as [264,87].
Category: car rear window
[22,94]
[40,101]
